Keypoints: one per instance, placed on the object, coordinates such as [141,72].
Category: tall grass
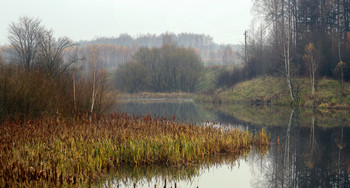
[62,151]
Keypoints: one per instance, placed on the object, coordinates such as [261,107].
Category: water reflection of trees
[279,115]
[305,156]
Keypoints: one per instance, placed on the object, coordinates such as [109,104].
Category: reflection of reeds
[126,175]
[61,151]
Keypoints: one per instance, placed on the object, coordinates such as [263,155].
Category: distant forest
[115,51]
[119,50]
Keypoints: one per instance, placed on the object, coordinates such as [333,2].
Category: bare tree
[36,47]
[51,53]
[286,41]
[98,83]
[310,58]
[25,40]
[94,80]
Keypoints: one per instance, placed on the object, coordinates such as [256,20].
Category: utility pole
[245,45]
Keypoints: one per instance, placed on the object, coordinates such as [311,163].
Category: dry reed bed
[61,151]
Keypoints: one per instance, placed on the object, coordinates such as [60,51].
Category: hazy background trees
[210,52]
[166,69]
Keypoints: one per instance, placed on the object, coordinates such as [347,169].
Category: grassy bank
[273,90]
[209,77]
[58,151]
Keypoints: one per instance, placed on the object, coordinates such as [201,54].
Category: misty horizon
[224,20]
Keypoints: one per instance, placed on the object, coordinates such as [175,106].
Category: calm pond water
[309,148]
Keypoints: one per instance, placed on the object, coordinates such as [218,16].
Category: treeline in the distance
[210,52]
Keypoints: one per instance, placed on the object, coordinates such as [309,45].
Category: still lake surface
[308,148]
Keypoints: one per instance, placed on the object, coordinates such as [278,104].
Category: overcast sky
[224,20]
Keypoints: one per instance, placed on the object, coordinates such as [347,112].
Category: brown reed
[62,151]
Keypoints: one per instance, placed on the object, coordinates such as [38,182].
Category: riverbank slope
[274,90]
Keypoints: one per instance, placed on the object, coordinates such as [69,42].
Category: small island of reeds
[61,151]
